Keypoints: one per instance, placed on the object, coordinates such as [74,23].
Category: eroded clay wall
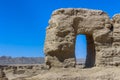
[66,24]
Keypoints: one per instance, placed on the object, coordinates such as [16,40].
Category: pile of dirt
[41,72]
[96,73]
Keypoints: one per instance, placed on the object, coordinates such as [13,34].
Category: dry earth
[96,73]
[40,72]
[22,71]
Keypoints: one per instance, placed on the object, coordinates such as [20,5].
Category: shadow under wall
[90,58]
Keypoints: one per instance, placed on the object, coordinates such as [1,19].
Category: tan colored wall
[66,24]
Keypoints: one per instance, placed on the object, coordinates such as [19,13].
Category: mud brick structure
[102,34]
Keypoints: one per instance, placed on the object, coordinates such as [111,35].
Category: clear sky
[23,23]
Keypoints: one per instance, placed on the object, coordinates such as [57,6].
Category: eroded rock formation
[2,75]
[102,33]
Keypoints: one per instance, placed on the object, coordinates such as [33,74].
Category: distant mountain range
[21,60]
[4,60]
[80,61]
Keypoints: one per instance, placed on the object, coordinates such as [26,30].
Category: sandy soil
[40,72]
[108,73]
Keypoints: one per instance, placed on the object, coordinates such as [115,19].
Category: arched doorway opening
[85,50]
[81,49]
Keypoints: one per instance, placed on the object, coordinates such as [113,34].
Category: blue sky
[23,23]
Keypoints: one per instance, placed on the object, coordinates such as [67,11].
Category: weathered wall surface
[116,40]
[101,32]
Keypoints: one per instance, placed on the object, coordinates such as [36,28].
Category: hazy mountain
[80,61]
[28,60]
[21,60]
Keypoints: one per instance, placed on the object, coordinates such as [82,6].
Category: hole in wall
[85,50]
[80,49]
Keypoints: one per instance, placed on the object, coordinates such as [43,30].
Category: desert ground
[41,72]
